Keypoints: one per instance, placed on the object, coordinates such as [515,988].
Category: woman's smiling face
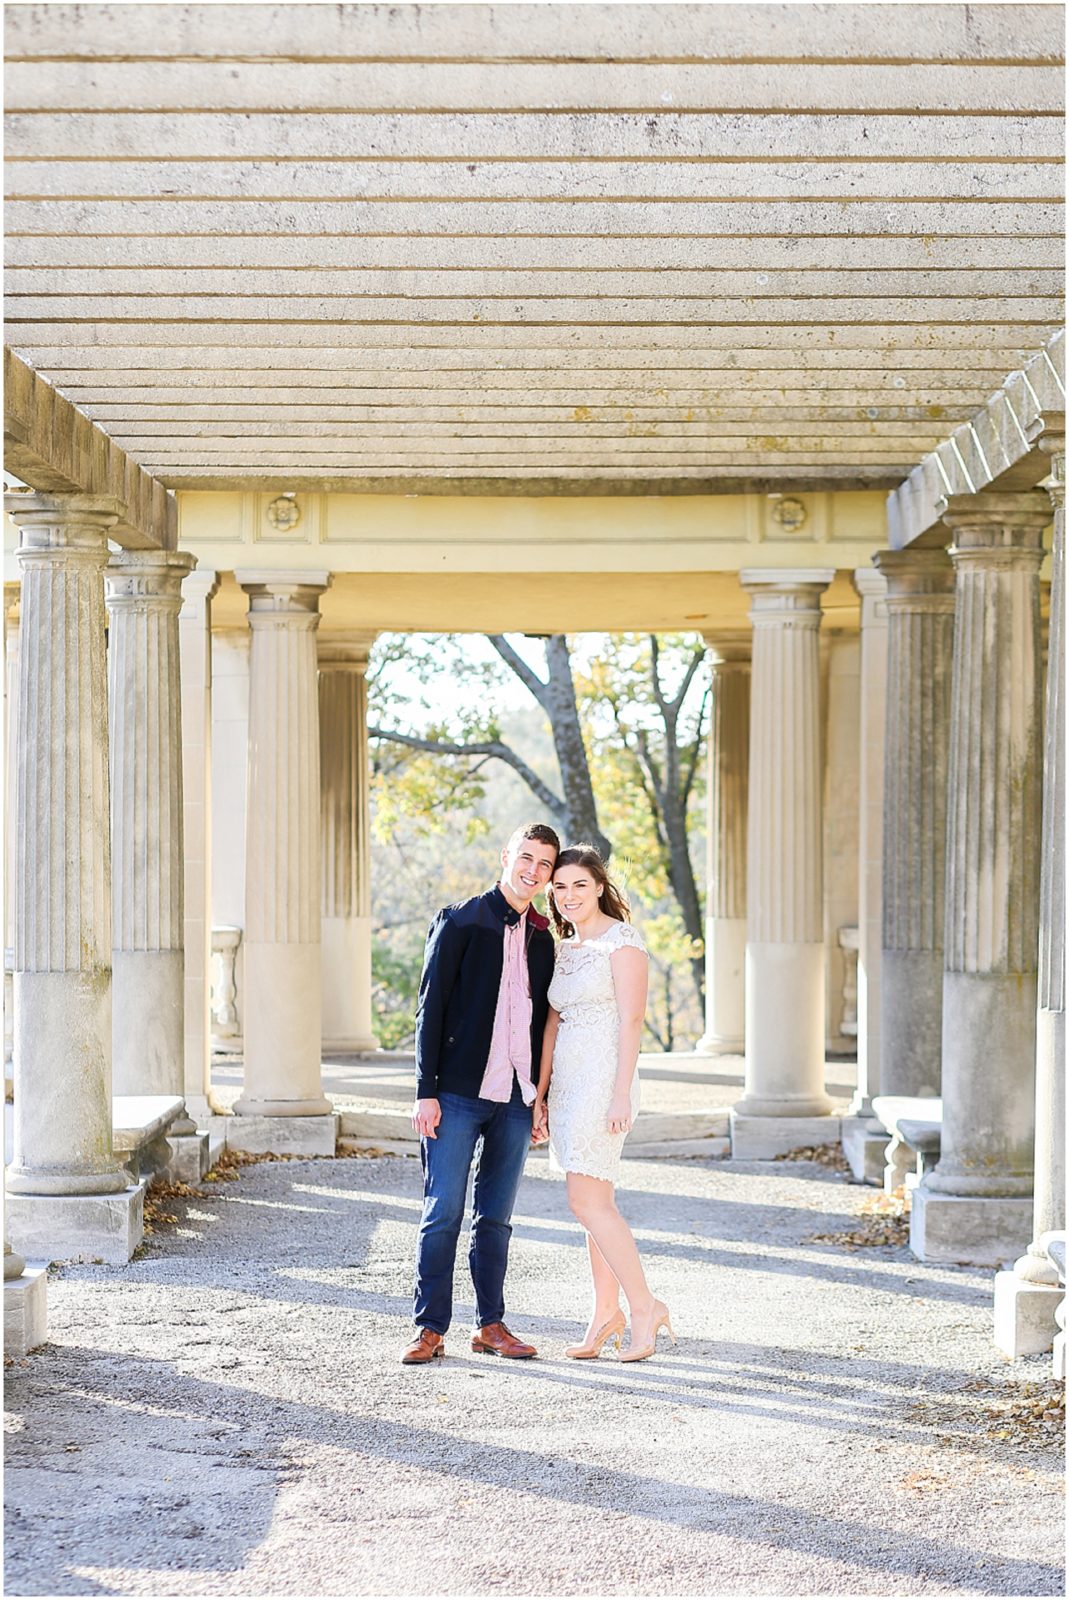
[575,893]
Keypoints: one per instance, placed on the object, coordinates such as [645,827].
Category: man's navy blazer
[459,988]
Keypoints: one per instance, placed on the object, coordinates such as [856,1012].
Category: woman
[597,1002]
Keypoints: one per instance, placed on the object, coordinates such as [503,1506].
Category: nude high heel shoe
[660,1320]
[587,1352]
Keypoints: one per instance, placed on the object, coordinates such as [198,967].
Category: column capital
[785,595]
[995,521]
[62,523]
[200,586]
[346,651]
[272,592]
[870,584]
[917,580]
[147,580]
[730,647]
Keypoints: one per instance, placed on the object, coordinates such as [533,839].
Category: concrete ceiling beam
[1009,134]
[696,310]
[542,254]
[280,337]
[212,85]
[950,33]
[509,180]
[754,283]
[702,219]
[52,446]
[996,448]
[607,412]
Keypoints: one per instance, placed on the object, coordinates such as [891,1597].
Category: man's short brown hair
[534,830]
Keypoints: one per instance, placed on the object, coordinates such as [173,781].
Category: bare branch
[512,659]
[490,747]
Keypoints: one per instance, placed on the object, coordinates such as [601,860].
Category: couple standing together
[526,1034]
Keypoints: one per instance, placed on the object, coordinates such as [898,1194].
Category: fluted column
[872,588]
[728,757]
[67,1194]
[144,595]
[14,1264]
[1027,1297]
[283,885]
[920,621]
[346,850]
[975,1206]
[785,933]
[195,645]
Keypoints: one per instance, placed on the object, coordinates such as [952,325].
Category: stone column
[195,646]
[784,1105]
[343,746]
[282,1105]
[11,745]
[975,1207]
[144,595]
[1027,1298]
[728,755]
[67,1195]
[864,1141]
[920,621]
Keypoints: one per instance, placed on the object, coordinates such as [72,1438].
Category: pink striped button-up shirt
[510,1046]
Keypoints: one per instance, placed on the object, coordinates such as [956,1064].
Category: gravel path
[227,1416]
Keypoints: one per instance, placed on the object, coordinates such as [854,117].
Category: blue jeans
[505,1130]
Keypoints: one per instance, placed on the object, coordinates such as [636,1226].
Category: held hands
[620,1112]
[426,1115]
[539,1121]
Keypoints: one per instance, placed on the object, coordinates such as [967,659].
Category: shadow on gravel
[130,1403]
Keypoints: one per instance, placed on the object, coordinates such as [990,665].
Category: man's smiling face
[527,866]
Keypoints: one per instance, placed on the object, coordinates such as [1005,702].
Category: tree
[574,810]
[626,718]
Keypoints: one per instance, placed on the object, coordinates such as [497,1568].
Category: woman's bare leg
[593,1203]
[606,1291]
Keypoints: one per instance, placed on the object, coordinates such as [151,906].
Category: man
[479,1024]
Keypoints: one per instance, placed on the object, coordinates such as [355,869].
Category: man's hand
[426,1115]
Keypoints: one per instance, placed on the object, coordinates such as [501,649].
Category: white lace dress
[585,1055]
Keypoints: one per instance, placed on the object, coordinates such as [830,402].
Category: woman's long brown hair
[612,900]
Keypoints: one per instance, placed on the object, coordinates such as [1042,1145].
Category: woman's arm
[630,971]
[549,1040]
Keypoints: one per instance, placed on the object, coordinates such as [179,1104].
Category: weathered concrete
[26,1310]
[762,1138]
[78,1227]
[276,1133]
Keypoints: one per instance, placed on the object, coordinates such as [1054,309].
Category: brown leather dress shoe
[425,1346]
[496,1340]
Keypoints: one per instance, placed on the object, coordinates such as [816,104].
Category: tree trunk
[563,713]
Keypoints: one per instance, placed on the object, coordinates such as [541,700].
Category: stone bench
[915,1123]
[144,1145]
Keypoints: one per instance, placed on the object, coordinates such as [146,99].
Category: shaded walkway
[227,1416]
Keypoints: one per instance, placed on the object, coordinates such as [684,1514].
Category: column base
[368,1046]
[77,1227]
[710,1045]
[762,1138]
[1024,1315]
[189,1157]
[967,1230]
[865,1147]
[26,1310]
[282,1136]
[250,1106]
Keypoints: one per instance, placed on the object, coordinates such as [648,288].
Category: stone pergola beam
[995,449]
[960,36]
[615,254]
[54,447]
